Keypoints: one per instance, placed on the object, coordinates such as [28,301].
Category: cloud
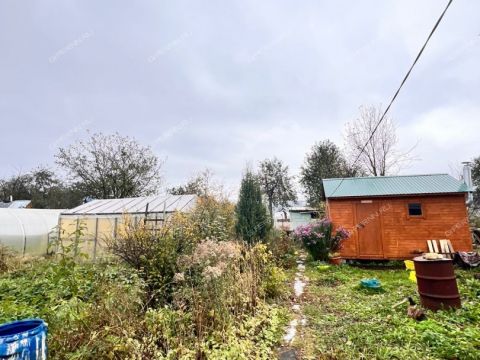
[447,135]
[252,79]
[449,127]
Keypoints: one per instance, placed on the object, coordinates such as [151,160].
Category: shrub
[213,218]
[283,249]
[210,273]
[153,254]
[320,240]
[220,281]
[274,282]
[163,333]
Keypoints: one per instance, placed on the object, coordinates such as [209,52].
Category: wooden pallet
[445,248]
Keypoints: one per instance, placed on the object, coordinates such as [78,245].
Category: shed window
[415,209]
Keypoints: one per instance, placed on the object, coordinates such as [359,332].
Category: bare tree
[380,156]
[202,184]
[111,166]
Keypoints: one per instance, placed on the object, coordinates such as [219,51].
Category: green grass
[346,321]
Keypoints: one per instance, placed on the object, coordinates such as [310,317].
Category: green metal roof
[393,185]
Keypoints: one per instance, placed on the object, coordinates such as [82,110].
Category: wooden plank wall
[444,217]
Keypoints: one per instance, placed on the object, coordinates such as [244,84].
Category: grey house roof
[393,185]
[306,209]
[16,204]
[159,204]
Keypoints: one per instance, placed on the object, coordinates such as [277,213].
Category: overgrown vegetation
[348,322]
[89,308]
[183,291]
[283,249]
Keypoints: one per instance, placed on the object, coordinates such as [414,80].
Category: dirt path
[294,328]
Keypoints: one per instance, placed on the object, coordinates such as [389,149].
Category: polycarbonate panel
[106,231]
[82,227]
[87,238]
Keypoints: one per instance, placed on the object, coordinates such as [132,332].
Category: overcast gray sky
[220,84]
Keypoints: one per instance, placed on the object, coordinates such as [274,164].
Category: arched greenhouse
[28,231]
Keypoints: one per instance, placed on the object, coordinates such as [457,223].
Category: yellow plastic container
[323,267]
[412,277]
[409,265]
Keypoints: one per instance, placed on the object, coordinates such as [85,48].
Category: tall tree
[276,184]
[377,155]
[50,192]
[43,188]
[325,160]
[111,166]
[252,220]
[18,187]
[46,190]
[476,182]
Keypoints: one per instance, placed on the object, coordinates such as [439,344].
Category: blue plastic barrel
[24,339]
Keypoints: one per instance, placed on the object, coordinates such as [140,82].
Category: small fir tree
[252,219]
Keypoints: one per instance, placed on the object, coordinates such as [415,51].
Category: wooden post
[115,228]
[75,238]
[164,212]
[146,215]
[24,241]
[59,229]
[95,240]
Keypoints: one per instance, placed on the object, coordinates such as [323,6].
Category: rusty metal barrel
[437,284]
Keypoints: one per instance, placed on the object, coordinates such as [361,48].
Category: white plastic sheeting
[27,231]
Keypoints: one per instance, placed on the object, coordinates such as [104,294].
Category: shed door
[369,230]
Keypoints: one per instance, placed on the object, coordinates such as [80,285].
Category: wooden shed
[392,217]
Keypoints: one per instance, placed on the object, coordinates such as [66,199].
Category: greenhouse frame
[98,220]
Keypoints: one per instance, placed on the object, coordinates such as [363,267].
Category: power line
[398,90]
